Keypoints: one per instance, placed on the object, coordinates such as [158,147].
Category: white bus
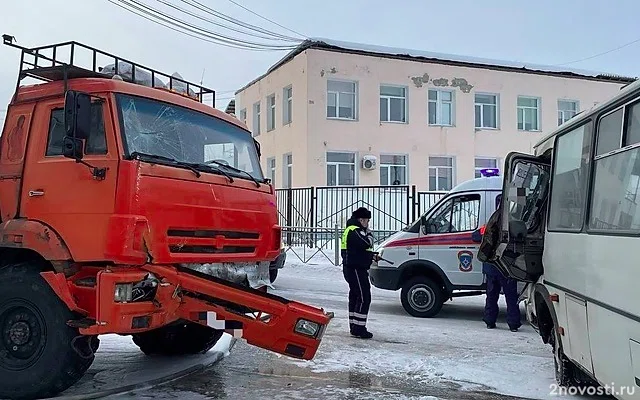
[570,226]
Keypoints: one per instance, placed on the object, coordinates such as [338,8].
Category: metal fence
[314,217]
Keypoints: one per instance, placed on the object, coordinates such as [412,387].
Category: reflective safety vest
[345,234]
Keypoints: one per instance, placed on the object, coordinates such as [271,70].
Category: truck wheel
[179,339]
[422,297]
[273,274]
[37,356]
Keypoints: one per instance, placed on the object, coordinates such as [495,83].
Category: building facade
[339,114]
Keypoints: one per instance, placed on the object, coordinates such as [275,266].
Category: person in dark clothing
[357,255]
[495,282]
[495,279]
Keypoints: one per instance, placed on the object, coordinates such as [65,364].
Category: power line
[202,7]
[603,53]
[196,32]
[194,28]
[267,19]
[263,36]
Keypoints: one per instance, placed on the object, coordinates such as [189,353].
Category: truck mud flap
[262,319]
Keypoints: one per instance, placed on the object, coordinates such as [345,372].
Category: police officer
[357,256]
[495,282]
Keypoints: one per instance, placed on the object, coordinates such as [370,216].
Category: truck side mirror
[423,225]
[77,123]
[72,148]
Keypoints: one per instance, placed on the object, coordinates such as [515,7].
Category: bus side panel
[612,346]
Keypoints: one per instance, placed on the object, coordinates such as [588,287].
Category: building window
[440,173]
[570,178]
[528,113]
[484,162]
[393,170]
[256,119]
[440,107]
[271,112]
[615,204]
[486,106]
[341,99]
[243,115]
[567,109]
[341,169]
[287,173]
[271,168]
[287,106]
[393,104]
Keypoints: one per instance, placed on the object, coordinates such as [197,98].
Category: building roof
[441,58]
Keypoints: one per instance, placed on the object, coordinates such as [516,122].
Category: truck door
[446,239]
[522,217]
[63,193]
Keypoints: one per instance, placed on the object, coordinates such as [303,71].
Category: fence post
[312,217]
[416,203]
[336,245]
[289,216]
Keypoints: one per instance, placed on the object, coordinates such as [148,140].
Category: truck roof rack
[62,61]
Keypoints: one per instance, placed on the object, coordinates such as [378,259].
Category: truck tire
[422,297]
[37,356]
[178,339]
[273,274]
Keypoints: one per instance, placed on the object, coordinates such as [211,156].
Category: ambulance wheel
[422,297]
[40,355]
[179,339]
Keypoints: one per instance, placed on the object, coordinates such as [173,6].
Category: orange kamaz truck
[129,206]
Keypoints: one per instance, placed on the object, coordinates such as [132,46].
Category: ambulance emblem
[465,258]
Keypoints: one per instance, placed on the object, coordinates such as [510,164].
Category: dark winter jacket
[359,246]
[491,237]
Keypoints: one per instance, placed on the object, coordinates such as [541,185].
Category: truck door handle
[412,253]
[35,193]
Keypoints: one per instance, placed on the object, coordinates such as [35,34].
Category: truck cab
[435,258]
[129,206]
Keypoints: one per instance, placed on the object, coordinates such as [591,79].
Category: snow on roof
[420,55]
[483,183]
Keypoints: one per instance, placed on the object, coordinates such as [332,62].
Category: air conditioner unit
[369,162]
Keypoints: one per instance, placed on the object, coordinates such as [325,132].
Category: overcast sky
[544,32]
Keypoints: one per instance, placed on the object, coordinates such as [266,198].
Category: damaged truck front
[128,206]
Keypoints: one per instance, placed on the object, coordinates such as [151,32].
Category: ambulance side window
[459,214]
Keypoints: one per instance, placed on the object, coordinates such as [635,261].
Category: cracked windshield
[186,136]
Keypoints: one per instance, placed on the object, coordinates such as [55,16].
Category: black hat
[361,213]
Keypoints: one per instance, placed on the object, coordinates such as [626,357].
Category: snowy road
[452,356]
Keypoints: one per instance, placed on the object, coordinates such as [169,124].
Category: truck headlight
[307,328]
[123,292]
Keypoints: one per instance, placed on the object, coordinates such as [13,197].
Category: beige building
[333,113]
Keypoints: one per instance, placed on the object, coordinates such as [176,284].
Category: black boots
[360,332]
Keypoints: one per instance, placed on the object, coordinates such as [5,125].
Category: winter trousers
[359,298]
[510,289]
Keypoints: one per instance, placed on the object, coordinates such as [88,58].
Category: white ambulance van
[435,258]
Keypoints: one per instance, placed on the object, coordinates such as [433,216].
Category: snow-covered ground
[452,356]
[455,347]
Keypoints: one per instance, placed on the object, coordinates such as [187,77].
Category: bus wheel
[422,297]
[40,355]
[178,339]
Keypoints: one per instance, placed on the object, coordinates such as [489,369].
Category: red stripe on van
[450,239]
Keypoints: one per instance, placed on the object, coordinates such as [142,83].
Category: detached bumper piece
[158,295]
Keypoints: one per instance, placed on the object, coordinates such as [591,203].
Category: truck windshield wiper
[221,164]
[169,160]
